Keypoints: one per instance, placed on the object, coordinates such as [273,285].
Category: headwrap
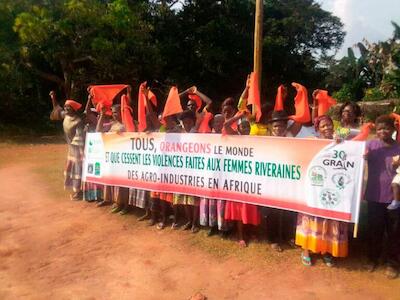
[75,105]
[319,119]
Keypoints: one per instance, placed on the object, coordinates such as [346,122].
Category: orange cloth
[152,98]
[126,114]
[279,99]
[173,103]
[196,99]
[75,105]
[101,93]
[301,105]
[204,125]
[364,132]
[107,105]
[396,117]
[142,108]
[254,95]
[325,102]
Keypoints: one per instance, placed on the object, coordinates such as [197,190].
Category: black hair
[356,108]
[187,114]
[385,119]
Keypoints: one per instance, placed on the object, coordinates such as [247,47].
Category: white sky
[368,19]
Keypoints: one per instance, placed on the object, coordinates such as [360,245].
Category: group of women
[314,235]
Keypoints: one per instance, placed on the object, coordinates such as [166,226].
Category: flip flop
[174,226]
[187,226]
[306,260]
[242,244]
[160,226]
[195,229]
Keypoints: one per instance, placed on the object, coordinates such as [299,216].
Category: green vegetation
[66,45]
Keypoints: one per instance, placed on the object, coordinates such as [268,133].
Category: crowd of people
[315,235]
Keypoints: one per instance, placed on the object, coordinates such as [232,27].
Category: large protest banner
[312,176]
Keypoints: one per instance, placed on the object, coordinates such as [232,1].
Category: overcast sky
[368,19]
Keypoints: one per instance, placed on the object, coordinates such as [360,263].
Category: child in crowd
[382,222]
[118,195]
[319,235]
[241,213]
[190,203]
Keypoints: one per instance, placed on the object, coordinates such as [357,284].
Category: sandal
[115,210]
[242,244]
[195,229]
[160,226]
[187,226]
[174,226]
[328,260]
[276,247]
[124,211]
[306,260]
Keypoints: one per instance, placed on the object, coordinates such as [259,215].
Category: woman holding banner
[319,235]
[73,128]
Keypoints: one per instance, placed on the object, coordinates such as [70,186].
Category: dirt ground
[55,248]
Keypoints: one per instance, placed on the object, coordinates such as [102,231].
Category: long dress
[74,135]
[321,235]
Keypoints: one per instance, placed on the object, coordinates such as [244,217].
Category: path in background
[54,248]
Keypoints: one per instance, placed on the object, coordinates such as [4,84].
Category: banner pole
[258,39]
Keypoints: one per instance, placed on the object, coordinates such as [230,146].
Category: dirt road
[55,248]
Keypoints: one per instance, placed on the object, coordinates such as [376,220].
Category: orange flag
[173,104]
[152,98]
[396,117]
[254,95]
[126,113]
[279,98]
[364,133]
[142,108]
[204,125]
[196,99]
[103,93]
[301,105]
[325,102]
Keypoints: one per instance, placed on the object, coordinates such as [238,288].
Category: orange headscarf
[75,105]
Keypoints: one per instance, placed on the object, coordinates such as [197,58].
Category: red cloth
[107,105]
[364,132]
[196,99]
[254,95]
[75,105]
[102,93]
[301,105]
[279,98]
[173,104]
[204,126]
[126,114]
[325,102]
[247,213]
[142,108]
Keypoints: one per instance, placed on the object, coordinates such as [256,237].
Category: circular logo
[341,180]
[329,198]
[317,175]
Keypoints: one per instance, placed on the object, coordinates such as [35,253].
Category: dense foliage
[68,44]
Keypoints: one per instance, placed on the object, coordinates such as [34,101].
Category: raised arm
[100,121]
[314,111]
[57,113]
[228,124]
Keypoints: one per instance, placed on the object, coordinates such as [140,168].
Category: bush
[373,94]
